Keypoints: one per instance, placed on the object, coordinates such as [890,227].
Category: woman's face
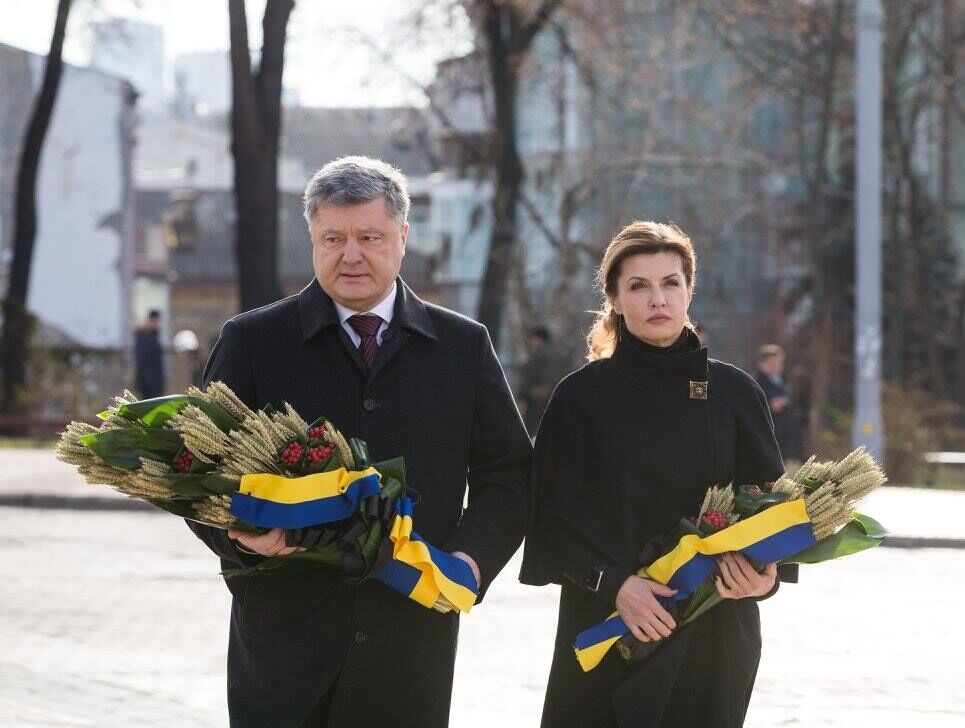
[653,297]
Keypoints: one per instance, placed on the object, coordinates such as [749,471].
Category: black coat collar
[317,311]
[685,358]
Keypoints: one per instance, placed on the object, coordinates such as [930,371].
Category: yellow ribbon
[279,489]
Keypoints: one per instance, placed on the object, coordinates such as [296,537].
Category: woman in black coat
[628,445]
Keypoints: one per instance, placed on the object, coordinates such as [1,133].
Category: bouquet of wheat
[206,456]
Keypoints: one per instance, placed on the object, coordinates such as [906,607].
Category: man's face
[772,366]
[357,252]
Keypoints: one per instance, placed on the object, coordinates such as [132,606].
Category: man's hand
[739,579]
[638,607]
[779,403]
[267,544]
[472,565]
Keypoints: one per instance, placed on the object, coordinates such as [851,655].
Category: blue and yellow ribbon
[274,501]
[422,572]
[767,537]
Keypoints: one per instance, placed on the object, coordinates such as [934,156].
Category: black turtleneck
[628,445]
[686,357]
[687,341]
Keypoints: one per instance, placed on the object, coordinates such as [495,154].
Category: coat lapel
[409,317]
[392,343]
[317,312]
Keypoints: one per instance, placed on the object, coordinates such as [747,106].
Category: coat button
[360,637]
[370,405]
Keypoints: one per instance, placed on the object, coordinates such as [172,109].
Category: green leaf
[198,466]
[703,598]
[199,485]
[329,556]
[812,484]
[392,489]
[748,504]
[124,447]
[859,534]
[394,468]
[180,508]
[156,412]
[870,526]
[369,542]
[360,453]
[684,528]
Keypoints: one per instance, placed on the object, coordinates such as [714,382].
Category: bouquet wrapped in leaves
[208,457]
[806,518]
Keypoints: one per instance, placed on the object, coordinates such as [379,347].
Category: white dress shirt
[384,310]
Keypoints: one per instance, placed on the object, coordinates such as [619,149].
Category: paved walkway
[116,618]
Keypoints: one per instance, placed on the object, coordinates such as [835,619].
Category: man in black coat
[411,379]
[149,358]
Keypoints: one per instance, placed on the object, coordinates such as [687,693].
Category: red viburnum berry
[292,453]
[715,519]
[182,463]
[316,433]
[318,454]
[754,490]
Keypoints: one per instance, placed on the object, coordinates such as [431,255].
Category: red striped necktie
[366,325]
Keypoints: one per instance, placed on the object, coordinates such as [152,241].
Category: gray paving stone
[114,619]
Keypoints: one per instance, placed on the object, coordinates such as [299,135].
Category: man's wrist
[463,556]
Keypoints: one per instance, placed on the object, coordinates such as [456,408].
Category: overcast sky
[326,64]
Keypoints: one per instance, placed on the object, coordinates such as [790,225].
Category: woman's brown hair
[637,238]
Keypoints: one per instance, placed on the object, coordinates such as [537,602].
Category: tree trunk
[16,318]
[508,40]
[823,350]
[255,128]
[499,21]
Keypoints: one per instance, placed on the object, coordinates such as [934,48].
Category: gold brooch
[698,390]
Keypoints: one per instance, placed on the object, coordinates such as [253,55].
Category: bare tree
[16,319]
[508,34]
[255,127]
[803,53]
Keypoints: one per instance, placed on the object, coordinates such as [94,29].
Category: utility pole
[868,427]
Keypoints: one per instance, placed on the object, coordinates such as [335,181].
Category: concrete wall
[79,277]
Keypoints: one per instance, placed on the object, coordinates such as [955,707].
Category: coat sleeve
[492,526]
[228,363]
[564,534]
[758,458]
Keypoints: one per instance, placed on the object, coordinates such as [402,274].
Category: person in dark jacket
[411,379]
[149,358]
[628,445]
[544,368]
[770,375]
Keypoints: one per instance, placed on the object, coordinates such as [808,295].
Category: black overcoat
[626,448]
[435,395]
[786,426]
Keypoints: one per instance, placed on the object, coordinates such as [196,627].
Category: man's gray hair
[354,181]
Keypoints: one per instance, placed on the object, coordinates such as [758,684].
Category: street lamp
[186,342]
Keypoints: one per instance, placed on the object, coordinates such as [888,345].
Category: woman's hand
[738,579]
[638,607]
